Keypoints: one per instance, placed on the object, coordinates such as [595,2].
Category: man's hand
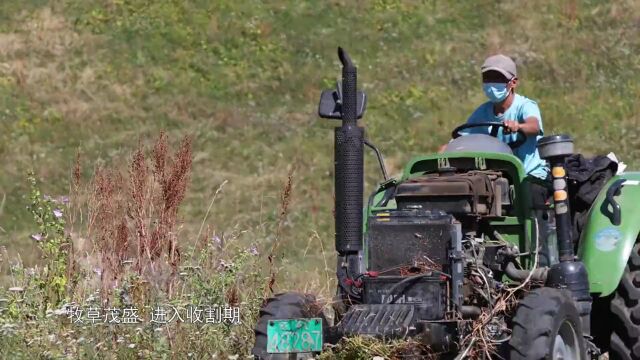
[511,126]
[529,127]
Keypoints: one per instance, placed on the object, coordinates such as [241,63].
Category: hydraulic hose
[539,274]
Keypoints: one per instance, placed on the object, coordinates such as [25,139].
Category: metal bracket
[456,254]
[615,214]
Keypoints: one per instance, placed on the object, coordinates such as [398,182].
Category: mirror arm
[380,159]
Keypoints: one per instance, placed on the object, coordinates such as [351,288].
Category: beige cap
[501,63]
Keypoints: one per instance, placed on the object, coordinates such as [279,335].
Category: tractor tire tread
[625,310]
[534,322]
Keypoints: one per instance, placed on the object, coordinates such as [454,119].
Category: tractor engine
[434,214]
[427,266]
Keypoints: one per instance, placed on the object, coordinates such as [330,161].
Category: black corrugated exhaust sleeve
[349,164]
[349,188]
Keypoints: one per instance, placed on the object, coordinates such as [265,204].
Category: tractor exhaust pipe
[347,104]
[349,164]
[570,273]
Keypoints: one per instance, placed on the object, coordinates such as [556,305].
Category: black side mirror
[330,106]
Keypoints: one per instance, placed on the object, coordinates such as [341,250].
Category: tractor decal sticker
[561,208]
[608,238]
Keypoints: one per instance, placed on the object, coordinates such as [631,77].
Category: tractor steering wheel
[495,126]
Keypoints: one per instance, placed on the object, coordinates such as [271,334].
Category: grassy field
[242,78]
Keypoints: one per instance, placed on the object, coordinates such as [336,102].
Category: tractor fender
[612,228]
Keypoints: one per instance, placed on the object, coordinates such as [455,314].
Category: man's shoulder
[526,107]
[522,100]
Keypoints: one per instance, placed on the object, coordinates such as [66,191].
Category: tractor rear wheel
[547,326]
[284,306]
[625,309]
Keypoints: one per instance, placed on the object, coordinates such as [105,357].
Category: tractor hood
[477,142]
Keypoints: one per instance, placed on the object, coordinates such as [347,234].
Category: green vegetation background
[244,78]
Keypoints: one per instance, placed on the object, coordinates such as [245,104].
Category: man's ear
[513,83]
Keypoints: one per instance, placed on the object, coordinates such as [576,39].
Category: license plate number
[294,335]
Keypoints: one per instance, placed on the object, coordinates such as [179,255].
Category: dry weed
[137,214]
[285,199]
[106,212]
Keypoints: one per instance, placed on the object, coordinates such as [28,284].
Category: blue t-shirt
[520,109]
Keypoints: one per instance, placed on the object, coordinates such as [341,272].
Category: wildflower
[253,250]
[223,265]
[217,241]
[57,213]
[36,237]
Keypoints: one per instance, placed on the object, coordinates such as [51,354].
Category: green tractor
[453,254]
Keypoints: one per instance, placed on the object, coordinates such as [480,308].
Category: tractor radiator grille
[406,241]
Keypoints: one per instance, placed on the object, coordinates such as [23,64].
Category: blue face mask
[496,92]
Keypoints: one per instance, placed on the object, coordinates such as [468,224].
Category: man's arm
[530,126]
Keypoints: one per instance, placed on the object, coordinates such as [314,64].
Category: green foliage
[42,314]
[53,242]
[217,277]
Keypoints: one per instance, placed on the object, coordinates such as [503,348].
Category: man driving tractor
[516,112]
[519,115]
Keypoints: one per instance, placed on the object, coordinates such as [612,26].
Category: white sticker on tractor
[559,184]
[561,208]
[607,239]
[632,182]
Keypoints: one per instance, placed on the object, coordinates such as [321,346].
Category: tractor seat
[478,142]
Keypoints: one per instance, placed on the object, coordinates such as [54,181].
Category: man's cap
[502,64]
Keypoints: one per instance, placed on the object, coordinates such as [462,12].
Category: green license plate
[294,335]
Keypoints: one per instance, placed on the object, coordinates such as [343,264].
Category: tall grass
[127,253]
